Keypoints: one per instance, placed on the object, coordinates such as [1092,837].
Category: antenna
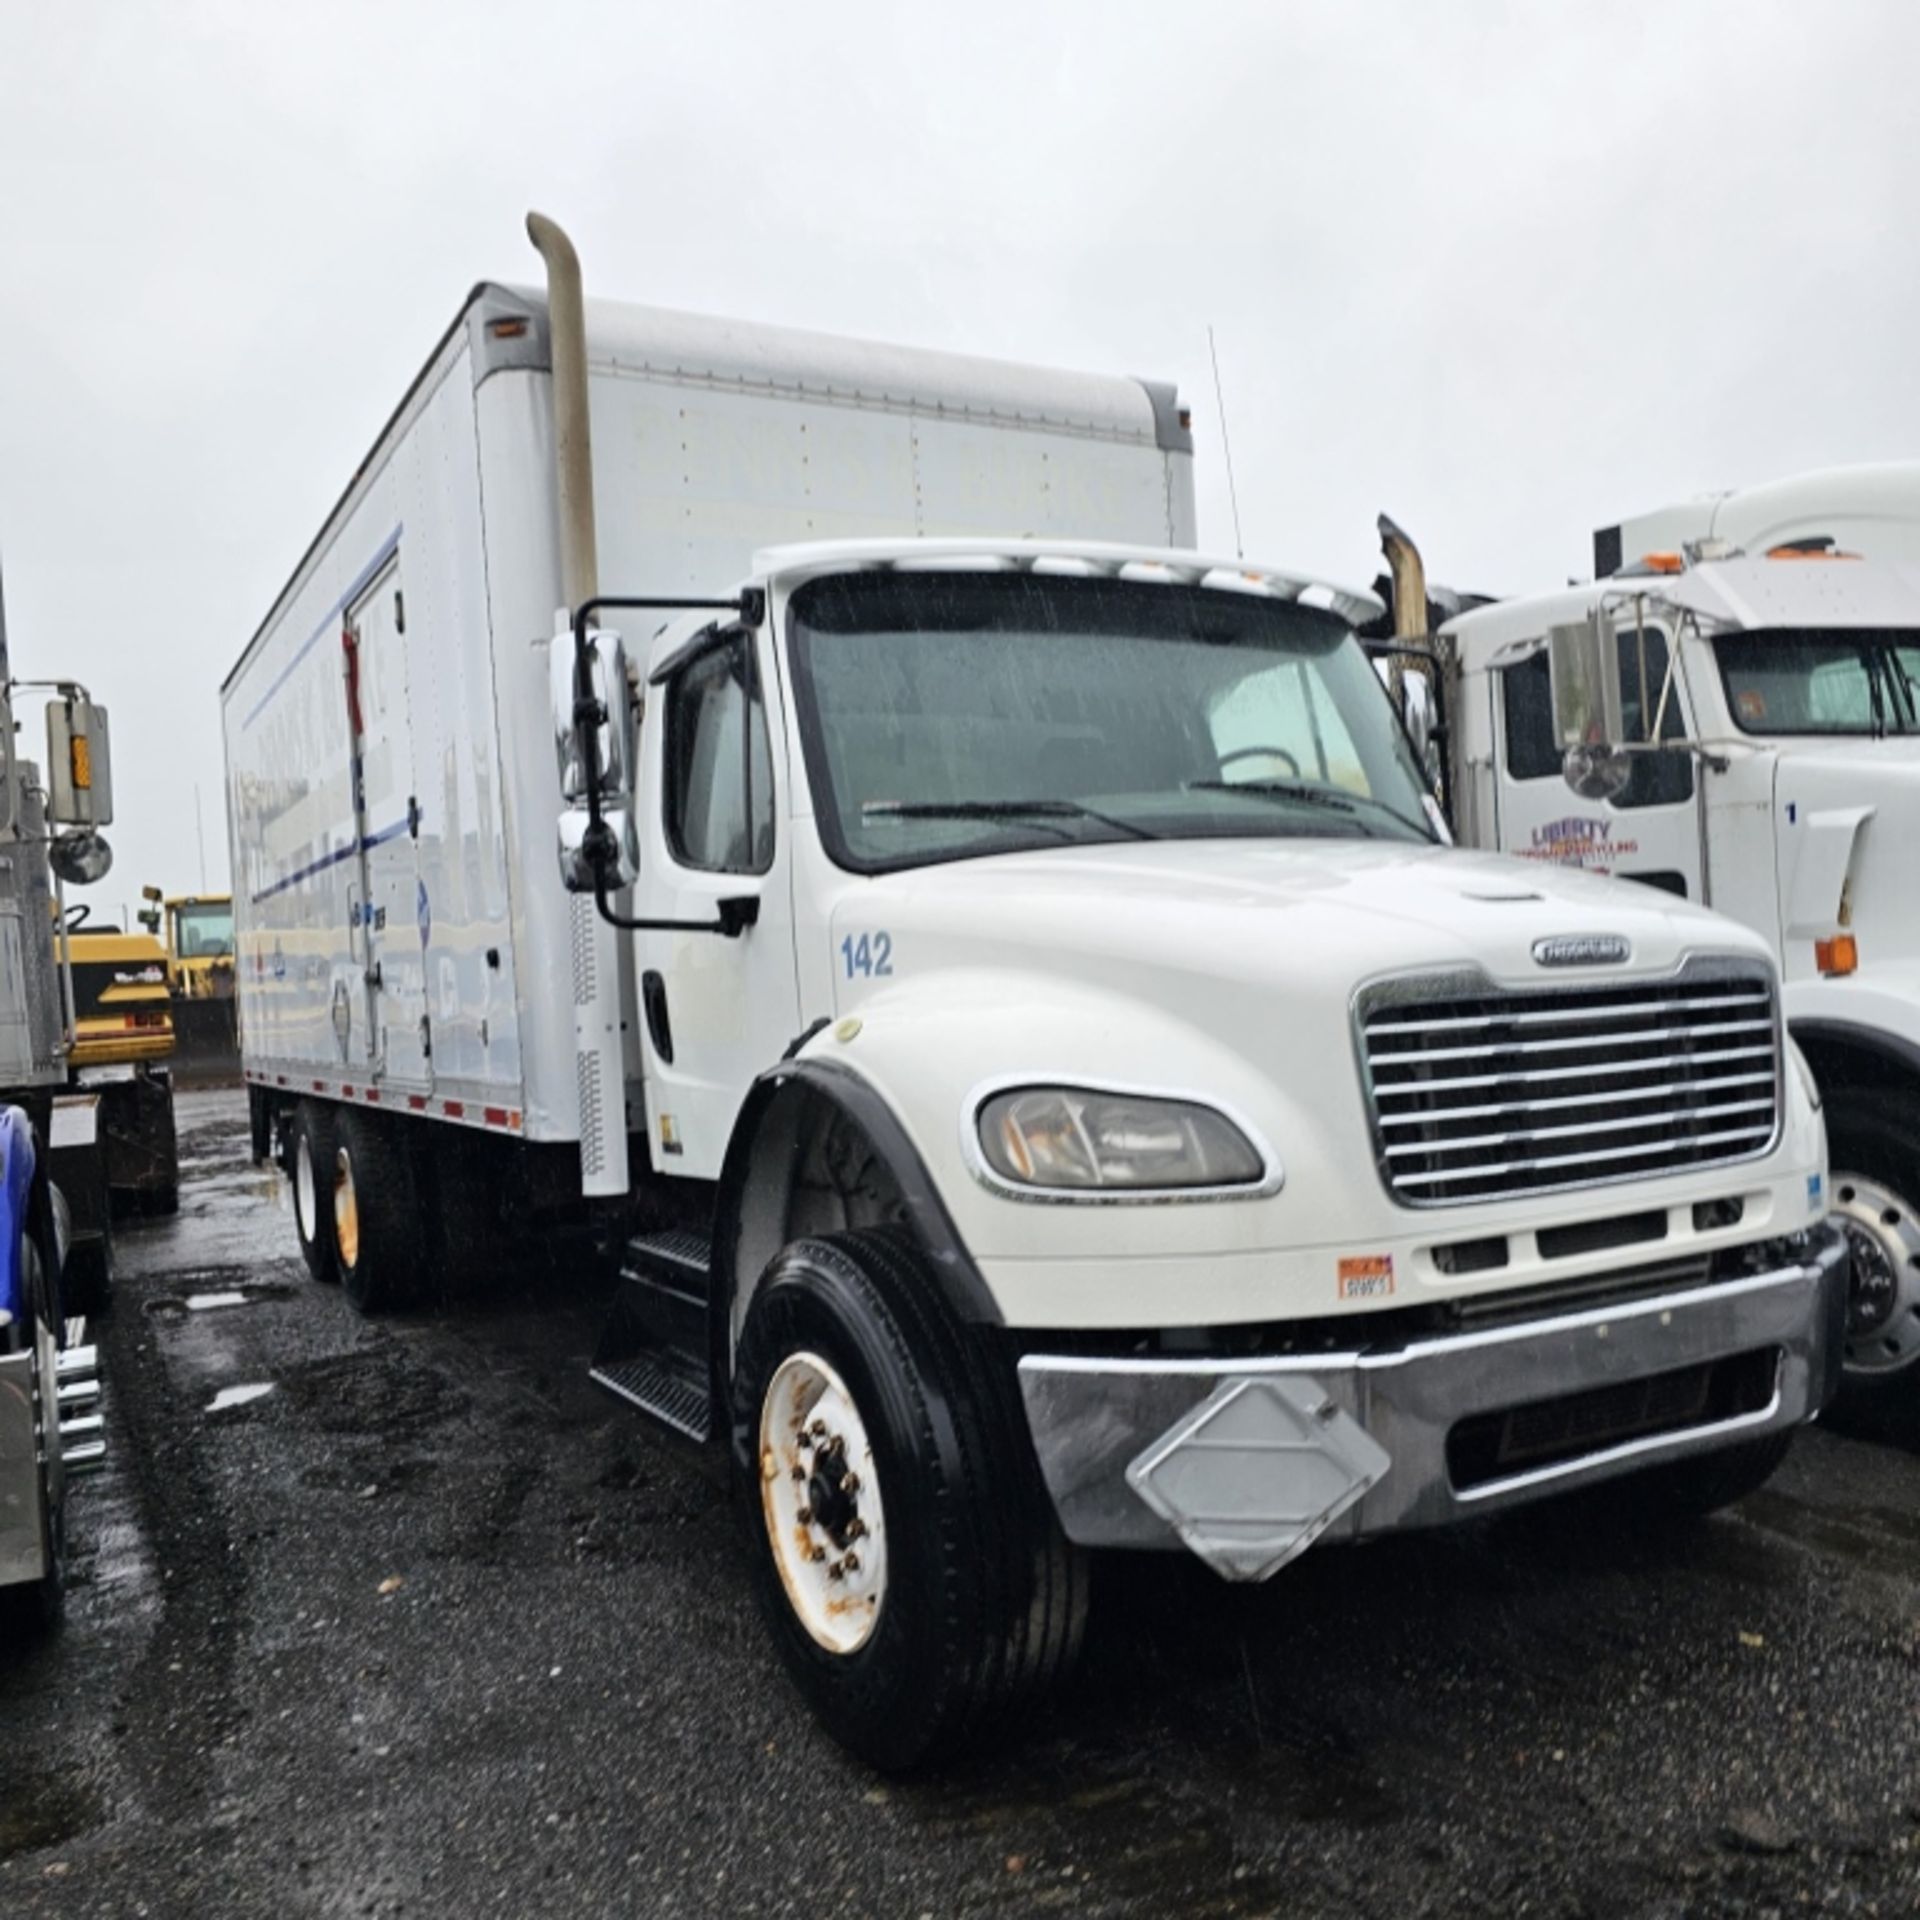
[1226,445]
[200,834]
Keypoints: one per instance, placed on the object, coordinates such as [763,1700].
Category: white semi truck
[991,980]
[1756,668]
[55,1234]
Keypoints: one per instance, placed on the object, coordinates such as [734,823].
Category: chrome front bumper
[1249,1461]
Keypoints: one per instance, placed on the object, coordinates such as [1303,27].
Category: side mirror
[579,871]
[150,919]
[80,857]
[1583,671]
[79,765]
[612,736]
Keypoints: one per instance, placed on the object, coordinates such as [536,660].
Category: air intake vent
[1479,1094]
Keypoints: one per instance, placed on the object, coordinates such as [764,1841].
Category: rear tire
[975,1602]
[310,1168]
[86,1284]
[1873,1146]
[1690,1489]
[378,1240]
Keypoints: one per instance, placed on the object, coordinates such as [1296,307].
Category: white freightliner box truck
[1001,993]
[1759,671]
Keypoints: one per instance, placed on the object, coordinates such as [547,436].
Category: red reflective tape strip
[373,1094]
[417,1101]
[454,1109]
[319,1086]
[495,1116]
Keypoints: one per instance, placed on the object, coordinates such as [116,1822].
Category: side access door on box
[385,901]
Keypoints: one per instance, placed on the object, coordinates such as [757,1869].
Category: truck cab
[1051,958]
[1770,705]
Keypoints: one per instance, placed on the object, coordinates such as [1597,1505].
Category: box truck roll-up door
[389,924]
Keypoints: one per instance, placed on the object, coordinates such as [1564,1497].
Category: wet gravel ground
[432,1627]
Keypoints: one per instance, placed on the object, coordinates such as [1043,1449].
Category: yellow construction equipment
[123,1043]
[199,952]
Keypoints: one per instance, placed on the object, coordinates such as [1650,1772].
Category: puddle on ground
[47,1811]
[239,1396]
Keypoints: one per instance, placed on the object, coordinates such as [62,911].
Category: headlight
[1071,1137]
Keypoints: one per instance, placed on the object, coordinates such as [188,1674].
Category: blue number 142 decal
[868,957]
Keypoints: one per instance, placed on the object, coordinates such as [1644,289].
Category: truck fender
[782,1115]
[1868,1055]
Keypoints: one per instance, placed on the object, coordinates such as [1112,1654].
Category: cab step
[653,1349]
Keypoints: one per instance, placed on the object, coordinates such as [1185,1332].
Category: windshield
[203,932]
[951,715]
[1822,681]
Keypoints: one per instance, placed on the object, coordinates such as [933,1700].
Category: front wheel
[905,1553]
[1874,1147]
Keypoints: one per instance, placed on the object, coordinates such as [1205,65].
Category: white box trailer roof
[392,790]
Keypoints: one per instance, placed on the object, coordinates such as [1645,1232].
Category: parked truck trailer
[990,977]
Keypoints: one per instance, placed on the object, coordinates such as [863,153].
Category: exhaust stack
[572,428]
[1409,573]
[599,976]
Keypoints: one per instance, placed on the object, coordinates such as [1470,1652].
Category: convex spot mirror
[613,736]
[79,764]
[578,873]
[1597,773]
[79,857]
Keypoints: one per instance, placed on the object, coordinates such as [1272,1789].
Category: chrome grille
[1480,1094]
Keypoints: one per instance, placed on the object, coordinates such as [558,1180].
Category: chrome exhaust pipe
[1409,573]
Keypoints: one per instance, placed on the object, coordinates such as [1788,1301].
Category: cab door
[715,1011]
[387,906]
[1651,832]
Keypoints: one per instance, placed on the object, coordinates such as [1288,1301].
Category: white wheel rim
[820,1495]
[1883,1305]
[305,1202]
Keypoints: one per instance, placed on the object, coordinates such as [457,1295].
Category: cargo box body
[402,936]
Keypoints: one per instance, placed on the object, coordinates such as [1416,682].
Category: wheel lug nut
[819,1554]
[851,1563]
[833,1572]
[818,1429]
[850,1482]
[800,1474]
[856,1527]
[805,1516]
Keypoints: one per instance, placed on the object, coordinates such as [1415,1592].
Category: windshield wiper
[1336,800]
[1043,810]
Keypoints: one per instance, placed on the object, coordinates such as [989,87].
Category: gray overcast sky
[1506,271]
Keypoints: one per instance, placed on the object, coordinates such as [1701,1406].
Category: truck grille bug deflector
[1165,1450]
[1477,1092]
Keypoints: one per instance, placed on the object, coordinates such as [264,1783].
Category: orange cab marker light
[1841,954]
[1664,562]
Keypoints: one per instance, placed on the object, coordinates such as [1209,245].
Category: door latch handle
[373,975]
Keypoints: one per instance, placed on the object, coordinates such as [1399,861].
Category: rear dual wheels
[355,1205]
[904,1550]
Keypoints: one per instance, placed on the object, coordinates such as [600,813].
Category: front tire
[1874,1150]
[963,1604]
